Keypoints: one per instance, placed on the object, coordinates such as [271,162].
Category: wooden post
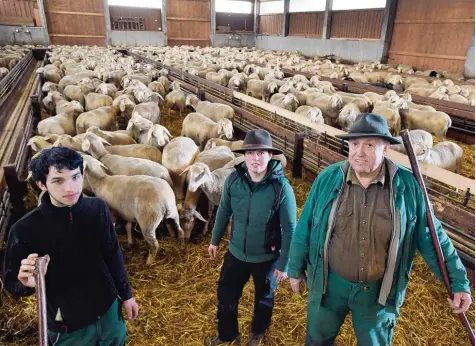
[286,18]
[163,13]
[213,18]
[17,190]
[107,20]
[201,95]
[387,27]
[256,17]
[298,153]
[44,23]
[326,30]
[35,107]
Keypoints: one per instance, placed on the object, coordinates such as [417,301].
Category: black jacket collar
[48,208]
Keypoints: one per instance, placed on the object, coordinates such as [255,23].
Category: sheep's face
[199,174]
[140,122]
[48,102]
[289,98]
[49,86]
[77,107]
[315,115]
[448,82]
[464,92]
[225,127]
[68,142]
[188,217]
[161,135]
[336,101]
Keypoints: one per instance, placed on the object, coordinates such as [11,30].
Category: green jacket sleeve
[224,213]
[287,218]
[299,250]
[456,270]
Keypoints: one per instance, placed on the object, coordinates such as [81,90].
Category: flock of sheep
[10,56]
[106,106]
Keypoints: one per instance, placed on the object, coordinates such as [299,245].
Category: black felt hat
[258,140]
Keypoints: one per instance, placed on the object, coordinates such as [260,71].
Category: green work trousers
[109,330]
[372,324]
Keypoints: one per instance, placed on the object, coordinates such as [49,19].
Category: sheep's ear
[150,134]
[103,141]
[198,216]
[122,106]
[86,145]
[34,145]
[185,170]
[167,132]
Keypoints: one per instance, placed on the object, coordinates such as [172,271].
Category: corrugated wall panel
[358,24]
[17,12]
[306,24]
[152,16]
[271,24]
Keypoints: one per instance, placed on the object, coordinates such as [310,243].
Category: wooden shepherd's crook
[431,225]
[41,300]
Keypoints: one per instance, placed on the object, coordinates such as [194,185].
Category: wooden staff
[41,300]
[431,225]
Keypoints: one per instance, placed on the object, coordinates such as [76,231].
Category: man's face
[366,154]
[257,160]
[64,186]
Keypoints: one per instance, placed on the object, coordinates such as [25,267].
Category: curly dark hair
[58,157]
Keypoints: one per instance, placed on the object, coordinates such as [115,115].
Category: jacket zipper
[70,217]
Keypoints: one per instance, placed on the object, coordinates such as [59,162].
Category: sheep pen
[177,298]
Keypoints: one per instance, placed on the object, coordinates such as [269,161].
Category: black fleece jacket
[86,270]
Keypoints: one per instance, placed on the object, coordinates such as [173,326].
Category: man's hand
[280,276]
[213,251]
[27,268]
[132,309]
[460,303]
[295,283]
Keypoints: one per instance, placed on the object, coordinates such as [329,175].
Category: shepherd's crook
[41,300]
[431,225]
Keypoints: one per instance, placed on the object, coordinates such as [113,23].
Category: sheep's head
[187,218]
[49,86]
[315,115]
[199,173]
[161,135]
[301,86]
[448,82]
[347,117]
[464,92]
[389,94]
[437,83]
[315,80]
[336,101]
[48,102]
[84,81]
[68,142]
[273,87]
[211,143]
[289,98]
[175,85]
[102,89]
[38,143]
[285,88]
[225,128]
[141,123]
[442,89]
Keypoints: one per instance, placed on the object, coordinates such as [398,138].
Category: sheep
[62,123]
[213,111]
[216,78]
[200,128]
[50,100]
[177,155]
[124,104]
[459,98]
[313,113]
[4,72]
[362,101]
[107,89]
[75,93]
[142,199]
[329,105]
[38,143]
[288,102]
[391,115]
[440,94]
[347,116]
[433,122]
[50,75]
[261,89]
[216,142]
[114,77]
[138,128]
[73,143]
[129,79]
[214,158]
[149,111]
[94,101]
[102,117]
[446,155]
[72,107]
[421,142]
[122,165]
[114,138]
[165,82]
[176,98]
[49,87]
[140,151]
[237,82]
[158,88]
[158,136]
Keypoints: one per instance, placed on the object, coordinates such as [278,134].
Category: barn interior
[388,56]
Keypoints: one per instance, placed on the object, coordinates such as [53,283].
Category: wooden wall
[188,22]
[271,24]
[432,34]
[357,24]
[307,24]
[17,12]
[236,21]
[152,16]
[75,22]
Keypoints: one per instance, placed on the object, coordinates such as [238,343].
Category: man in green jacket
[262,204]
[356,239]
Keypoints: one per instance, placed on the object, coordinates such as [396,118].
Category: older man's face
[366,154]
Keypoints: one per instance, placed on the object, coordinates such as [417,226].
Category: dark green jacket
[250,204]
[410,233]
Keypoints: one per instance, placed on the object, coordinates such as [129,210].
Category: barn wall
[233,40]
[271,24]
[470,61]
[152,16]
[17,12]
[358,24]
[36,36]
[347,49]
[308,24]
[235,21]
[137,38]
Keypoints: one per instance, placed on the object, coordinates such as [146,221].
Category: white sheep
[94,101]
[200,128]
[113,137]
[216,142]
[125,105]
[288,101]
[122,165]
[38,143]
[141,199]
[214,111]
[149,111]
[329,105]
[107,89]
[102,117]
[177,155]
[446,155]
[175,99]
[60,124]
[347,116]
[140,151]
[422,141]
[158,136]
[436,122]
[313,113]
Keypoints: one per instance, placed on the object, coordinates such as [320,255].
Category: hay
[468,157]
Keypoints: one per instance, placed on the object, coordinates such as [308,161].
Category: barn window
[307,6]
[136,3]
[270,7]
[357,5]
[229,6]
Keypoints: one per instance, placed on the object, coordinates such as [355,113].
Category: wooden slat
[188,39]
[357,24]
[188,19]
[306,24]
[434,56]
[152,16]
[16,8]
[235,21]
[27,21]
[84,36]
[271,24]
[77,13]
[434,21]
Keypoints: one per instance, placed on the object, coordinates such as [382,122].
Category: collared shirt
[359,243]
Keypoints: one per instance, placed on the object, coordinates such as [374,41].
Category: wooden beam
[188,39]
[256,17]
[22,21]
[213,18]
[387,27]
[85,36]
[434,21]
[188,19]
[326,29]
[355,39]
[97,14]
[286,18]
[425,55]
